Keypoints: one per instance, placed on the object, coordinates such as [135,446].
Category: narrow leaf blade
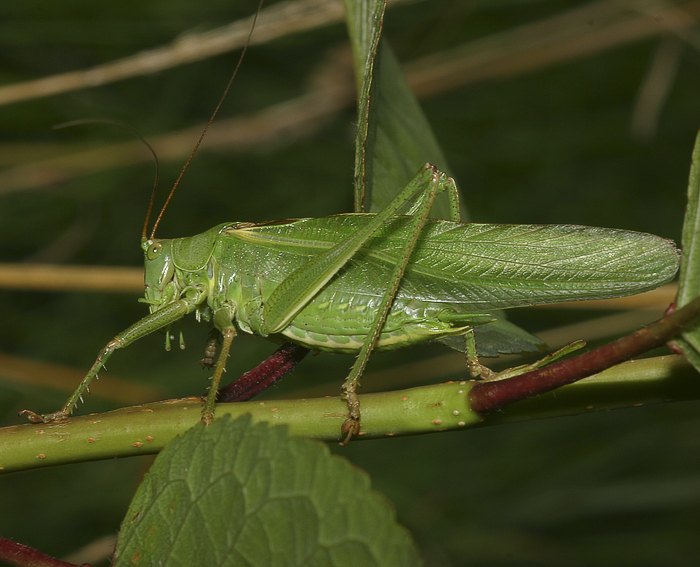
[394,138]
[365,20]
[689,283]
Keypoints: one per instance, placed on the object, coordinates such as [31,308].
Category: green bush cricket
[357,282]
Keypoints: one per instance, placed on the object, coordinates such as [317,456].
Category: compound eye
[154,250]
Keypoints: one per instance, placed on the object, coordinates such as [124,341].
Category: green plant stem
[140,430]
[146,429]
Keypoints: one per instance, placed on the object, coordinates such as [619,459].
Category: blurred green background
[586,117]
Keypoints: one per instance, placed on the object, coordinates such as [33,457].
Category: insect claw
[32,416]
[349,429]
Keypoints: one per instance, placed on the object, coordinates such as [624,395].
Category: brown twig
[287,120]
[13,553]
[281,19]
[49,277]
[490,396]
[655,88]
[64,378]
[268,372]
[581,32]
[527,48]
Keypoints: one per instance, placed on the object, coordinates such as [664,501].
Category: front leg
[153,322]
[227,335]
[223,320]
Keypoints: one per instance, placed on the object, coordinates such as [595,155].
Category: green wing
[483,267]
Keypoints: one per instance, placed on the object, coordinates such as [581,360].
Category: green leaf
[394,138]
[238,493]
[689,284]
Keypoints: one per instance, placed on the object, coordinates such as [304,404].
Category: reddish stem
[268,372]
[490,396]
[20,555]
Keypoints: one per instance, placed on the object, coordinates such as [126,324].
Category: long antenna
[186,166]
[135,132]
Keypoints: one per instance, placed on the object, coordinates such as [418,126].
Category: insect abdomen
[340,322]
[350,343]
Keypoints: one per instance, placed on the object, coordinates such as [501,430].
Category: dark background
[539,144]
